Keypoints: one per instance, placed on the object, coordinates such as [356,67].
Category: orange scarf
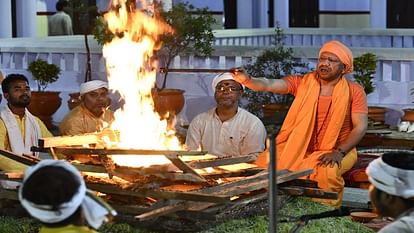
[297,129]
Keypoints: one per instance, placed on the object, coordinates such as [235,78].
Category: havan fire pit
[192,187]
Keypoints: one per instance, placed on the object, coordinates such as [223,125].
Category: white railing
[311,37]
[394,77]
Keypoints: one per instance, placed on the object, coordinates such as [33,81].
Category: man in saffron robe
[327,119]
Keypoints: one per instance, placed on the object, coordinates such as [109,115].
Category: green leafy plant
[193,33]
[364,69]
[274,63]
[44,73]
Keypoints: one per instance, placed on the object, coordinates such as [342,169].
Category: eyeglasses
[229,89]
[329,60]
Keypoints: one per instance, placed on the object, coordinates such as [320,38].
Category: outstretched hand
[240,75]
[330,158]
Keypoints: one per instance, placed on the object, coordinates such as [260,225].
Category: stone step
[356,198]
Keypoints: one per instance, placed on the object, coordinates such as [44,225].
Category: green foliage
[274,63]
[44,73]
[364,70]
[101,31]
[192,33]
[82,13]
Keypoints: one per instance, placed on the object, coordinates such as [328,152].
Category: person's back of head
[61,4]
[52,186]
[10,79]
[391,177]
[399,159]
[54,192]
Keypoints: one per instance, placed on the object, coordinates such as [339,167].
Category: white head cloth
[392,180]
[222,77]
[92,85]
[94,211]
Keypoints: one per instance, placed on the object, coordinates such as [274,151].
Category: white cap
[222,77]
[92,85]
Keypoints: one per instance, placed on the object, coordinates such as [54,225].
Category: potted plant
[365,67]
[193,35]
[273,63]
[44,103]
[409,112]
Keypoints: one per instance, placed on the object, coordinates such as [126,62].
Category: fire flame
[131,70]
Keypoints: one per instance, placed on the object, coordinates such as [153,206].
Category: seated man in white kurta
[226,130]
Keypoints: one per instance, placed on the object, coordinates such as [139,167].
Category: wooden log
[130,174]
[130,209]
[301,183]
[23,159]
[222,161]
[162,211]
[240,189]
[61,141]
[190,196]
[8,194]
[309,192]
[118,151]
[183,166]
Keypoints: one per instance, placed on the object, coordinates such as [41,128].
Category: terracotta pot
[408,115]
[44,105]
[168,101]
[377,114]
[74,100]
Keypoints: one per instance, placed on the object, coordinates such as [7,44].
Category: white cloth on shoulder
[92,85]
[94,210]
[392,180]
[32,131]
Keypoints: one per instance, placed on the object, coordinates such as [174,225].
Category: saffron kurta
[80,120]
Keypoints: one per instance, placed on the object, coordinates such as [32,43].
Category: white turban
[94,209]
[222,77]
[92,85]
[392,180]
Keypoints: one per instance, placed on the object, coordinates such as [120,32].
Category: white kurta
[244,134]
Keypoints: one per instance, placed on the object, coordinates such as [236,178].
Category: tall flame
[131,70]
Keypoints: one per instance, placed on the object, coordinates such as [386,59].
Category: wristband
[341,151]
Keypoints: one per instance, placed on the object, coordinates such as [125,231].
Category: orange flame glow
[131,70]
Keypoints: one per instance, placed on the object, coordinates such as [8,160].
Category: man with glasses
[327,119]
[227,130]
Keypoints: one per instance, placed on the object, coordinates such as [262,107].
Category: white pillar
[260,13]
[26,18]
[378,14]
[167,5]
[5,19]
[244,14]
[281,13]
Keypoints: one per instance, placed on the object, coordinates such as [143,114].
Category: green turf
[255,224]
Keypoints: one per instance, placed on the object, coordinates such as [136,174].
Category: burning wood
[146,195]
